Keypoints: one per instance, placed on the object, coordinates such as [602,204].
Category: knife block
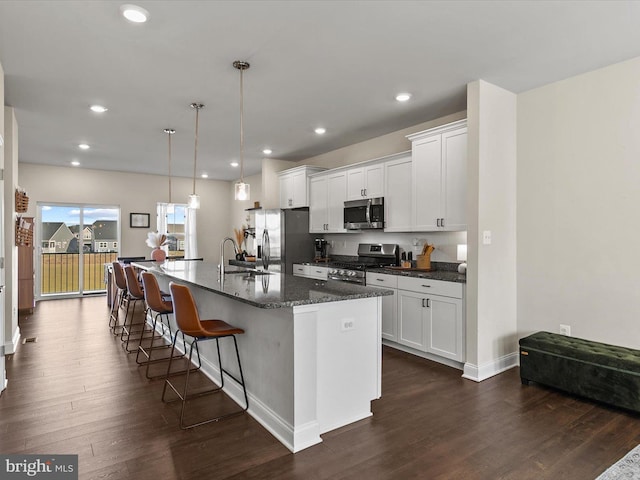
[423,261]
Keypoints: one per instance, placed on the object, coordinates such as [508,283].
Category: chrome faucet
[235,250]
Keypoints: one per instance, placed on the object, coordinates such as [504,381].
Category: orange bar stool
[134,296]
[119,298]
[189,323]
[162,308]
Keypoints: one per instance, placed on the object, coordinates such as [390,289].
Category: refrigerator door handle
[266,249]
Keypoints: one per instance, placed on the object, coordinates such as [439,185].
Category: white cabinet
[310,271]
[397,194]
[439,176]
[389,303]
[327,193]
[430,317]
[365,182]
[294,186]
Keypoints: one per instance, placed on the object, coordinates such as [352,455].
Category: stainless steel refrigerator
[282,239]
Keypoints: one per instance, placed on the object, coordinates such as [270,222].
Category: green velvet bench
[593,370]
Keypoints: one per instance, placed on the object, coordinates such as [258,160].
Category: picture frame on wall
[139,220]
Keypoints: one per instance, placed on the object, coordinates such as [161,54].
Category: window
[178,223]
[102,245]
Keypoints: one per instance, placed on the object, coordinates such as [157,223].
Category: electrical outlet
[486,237]
[565,330]
[347,324]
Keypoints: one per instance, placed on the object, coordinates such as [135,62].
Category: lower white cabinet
[389,303]
[431,317]
[310,271]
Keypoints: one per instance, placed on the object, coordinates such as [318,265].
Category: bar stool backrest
[185,311]
[118,273]
[132,283]
[152,294]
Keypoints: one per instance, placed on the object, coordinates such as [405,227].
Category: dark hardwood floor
[76,391]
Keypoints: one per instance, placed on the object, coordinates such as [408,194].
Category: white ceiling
[337,64]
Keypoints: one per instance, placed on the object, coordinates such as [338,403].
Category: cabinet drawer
[434,287]
[382,280]
[319,273]
[300,270]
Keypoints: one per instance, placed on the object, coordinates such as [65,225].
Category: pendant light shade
[194,199]
[242,190]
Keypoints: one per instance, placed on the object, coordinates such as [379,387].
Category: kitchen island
[311,352]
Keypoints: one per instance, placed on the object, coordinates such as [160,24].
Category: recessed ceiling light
[267,151]
[98,108]
[403,97]
[320,130]
[75,163]
[234,164]
[204,175]
[84,146]
[134,13]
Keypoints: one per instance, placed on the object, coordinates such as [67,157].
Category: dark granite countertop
[273,290]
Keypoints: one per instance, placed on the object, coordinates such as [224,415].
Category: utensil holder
[423,261]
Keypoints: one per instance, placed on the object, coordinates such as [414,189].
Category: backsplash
[446,243]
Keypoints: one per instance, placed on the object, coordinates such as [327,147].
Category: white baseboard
[489,369]
[12,346]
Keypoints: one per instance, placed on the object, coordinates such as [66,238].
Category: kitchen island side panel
[309,369]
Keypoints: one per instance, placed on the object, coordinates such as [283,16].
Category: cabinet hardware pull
[442,222]
[426,286]
[365,192]
[428,303]
[423,305]
[437,222]
[380,279]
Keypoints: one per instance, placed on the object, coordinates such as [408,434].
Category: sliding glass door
[74,244]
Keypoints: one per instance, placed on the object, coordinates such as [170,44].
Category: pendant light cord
[195,150]
[169,133]
[241,126]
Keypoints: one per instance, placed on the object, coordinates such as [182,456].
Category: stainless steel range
[370,255]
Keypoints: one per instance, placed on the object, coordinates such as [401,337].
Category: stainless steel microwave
[364,214]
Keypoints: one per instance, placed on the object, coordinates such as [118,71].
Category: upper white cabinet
[327,193]
[439,176]
[397,194]
[365,182]
[294,186]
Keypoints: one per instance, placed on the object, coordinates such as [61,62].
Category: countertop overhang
[258,288]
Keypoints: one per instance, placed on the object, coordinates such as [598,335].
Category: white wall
[11,330]
[578,199]
[3,376]
[491,273]
[132,193]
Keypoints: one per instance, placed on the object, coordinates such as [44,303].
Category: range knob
[341,272]
[352,274]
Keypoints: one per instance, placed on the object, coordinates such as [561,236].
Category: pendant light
[194,200]
[169,132]
[242,190]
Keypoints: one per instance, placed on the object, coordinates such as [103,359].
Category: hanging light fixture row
[194,199]
[242,190]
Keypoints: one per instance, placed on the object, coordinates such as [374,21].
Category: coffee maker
[321,249]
